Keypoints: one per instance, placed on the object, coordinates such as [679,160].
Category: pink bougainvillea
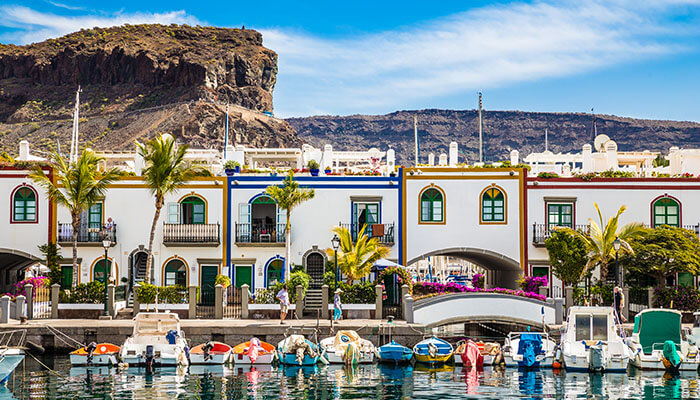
[429,289]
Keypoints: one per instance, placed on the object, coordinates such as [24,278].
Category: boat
[157,340]
[347,347]
[490,351]
[211,353]
[95,354]
[10,358]
[529,350]
[261,353]
[296,350]
[433,351]
[394,353]
[657,342]
[591,342]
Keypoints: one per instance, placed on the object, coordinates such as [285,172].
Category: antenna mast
[74,137]
[481,133]
[226,132]
[415,136]
[546,140]
[595,128]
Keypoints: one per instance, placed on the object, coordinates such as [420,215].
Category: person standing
[618,303]
[337,305]
[283,297]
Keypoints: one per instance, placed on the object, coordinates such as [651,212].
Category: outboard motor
[90,349]
[209,346]
[171,336]
[596,360]
[150,355]
[187,353]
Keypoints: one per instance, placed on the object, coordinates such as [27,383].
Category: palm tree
[355,260]
[600,240]
[165,173]
[77,186]
[288,196]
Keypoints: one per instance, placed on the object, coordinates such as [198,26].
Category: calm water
[31,380]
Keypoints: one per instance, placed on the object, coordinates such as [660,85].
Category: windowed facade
[364,215]
[175,273]
[190,210]
[24,205]
[493,206]
[260,221]
[560,214]
[666,211]
[432,206]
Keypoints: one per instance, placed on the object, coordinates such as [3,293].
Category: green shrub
[358,293]
[85,293]
[146,294]
[681,298]
[313,164]
[231,164]
[223,280]
[295,279]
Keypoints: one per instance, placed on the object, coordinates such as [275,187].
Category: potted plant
[328,170]
[232,167]
[313,167]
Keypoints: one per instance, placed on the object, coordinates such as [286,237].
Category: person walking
[618,303]
[337,305]
[283,297]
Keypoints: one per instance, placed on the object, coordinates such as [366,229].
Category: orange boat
[259,353]
[210,353]
[95,354]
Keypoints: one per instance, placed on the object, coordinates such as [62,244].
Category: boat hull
[652,362]
[8,363]
[335,358]
[437,360]
[515,361]
[243,359]
[291,360]
[220,358]
[97,359]
[581,364]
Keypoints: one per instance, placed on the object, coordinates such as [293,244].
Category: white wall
[24,237]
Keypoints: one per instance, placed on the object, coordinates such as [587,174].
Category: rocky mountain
[137,80]
[503,131]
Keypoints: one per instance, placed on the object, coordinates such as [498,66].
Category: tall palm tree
[288,196]
[600,240]
[165,173]
[78,186]
[355,260]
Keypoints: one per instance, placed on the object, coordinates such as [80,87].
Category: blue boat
[394,353]
[433,351]
[287,351]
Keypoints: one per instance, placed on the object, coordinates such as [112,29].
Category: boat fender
[35,348]
[556,364]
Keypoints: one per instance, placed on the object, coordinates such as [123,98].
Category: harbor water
[31,380]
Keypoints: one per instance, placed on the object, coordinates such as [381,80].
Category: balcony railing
[191,234]
[91,233]
[541,232]
[383,232]
[260,233]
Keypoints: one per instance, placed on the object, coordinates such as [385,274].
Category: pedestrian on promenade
[618,303]
[283,297]
[337,305]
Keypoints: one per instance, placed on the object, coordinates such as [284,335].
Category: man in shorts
[283,297]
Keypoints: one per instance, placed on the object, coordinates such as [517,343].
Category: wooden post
[192,313]
[300,302]
[110,299]
[569,295]
[651,297]
[244,300]
[219,302]
[378,302]
[28,290]
[55,291]
[324,302]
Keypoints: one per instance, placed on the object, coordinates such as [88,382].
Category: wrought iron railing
[383,232]
[260,233]
[191,233]
[541,232]
[91,233]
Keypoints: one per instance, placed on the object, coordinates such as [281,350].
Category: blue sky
[623,57]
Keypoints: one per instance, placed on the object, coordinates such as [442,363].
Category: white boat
[211,353]
[95,354]
[10,357]
[261,352]
[347,347]
[157,340]
[529,350]
[652,329]
[591,341]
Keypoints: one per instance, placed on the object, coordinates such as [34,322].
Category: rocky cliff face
[503,131]
[139,80]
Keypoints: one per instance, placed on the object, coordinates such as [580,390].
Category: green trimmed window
[263,200]
[540,271]
[274,272]
[432,206]
[666,212]
[24,203]
[493,206]
[175,273]
[99,272]
[193,210]
[560,215]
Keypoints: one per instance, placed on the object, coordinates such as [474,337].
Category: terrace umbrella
[383,264]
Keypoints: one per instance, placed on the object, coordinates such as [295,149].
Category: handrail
[191,233]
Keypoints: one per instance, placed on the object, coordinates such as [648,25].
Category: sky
[623,57]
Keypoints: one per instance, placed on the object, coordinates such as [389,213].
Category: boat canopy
[156,323]
[657,327]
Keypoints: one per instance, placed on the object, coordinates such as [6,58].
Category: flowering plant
[682,298]
[37,282]
[533,283]
[478,281]
[429,289]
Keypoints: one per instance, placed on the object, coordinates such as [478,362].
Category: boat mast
[481,133]
[546,140]
[415,137]
[74,136]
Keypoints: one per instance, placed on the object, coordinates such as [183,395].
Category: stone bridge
[456,308]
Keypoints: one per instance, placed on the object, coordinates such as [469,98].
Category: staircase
[312,303]
[139,275]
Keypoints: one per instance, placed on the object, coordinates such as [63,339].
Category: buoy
[556,364]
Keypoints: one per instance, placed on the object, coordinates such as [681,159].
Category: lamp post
[107,271]
[336,244]
[616,246]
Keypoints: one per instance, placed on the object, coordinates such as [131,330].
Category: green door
[207,284]
[274,272]
[66,276]
[244,275]
[100,273]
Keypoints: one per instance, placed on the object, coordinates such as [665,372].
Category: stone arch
[316,277]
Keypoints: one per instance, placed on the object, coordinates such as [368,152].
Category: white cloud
[66,6]
[483,48]
[31,26]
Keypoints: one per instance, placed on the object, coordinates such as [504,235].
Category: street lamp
[107,271]
[336,244]
[616,246]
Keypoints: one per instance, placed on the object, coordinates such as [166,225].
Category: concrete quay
[229,331]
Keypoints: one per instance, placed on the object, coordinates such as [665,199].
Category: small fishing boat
[529,350]
[211,353]
[433,351]
[10,358]
[591,341]
[254,351]
[468,354]
[296,350]
[95,354]
[157,340]
[657,342]
[347,347]
[394,353]
[490,351]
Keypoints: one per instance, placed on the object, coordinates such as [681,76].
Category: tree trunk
[604,272]
[288,249]
[76,228]
[149,261]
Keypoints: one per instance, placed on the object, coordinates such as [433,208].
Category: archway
[502,271]
[315,264]
[137,266]
[273,271]
[12,264]
[175,273]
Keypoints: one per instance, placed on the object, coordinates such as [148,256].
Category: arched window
[493,205]
[175,273]
[432,206]
[666,212]
[99,272]
[193,210]
[274,272]
[24,205]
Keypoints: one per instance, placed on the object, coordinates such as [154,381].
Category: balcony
[191,235]
[262,235]
[540,233]
[88,235]
[383,232]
